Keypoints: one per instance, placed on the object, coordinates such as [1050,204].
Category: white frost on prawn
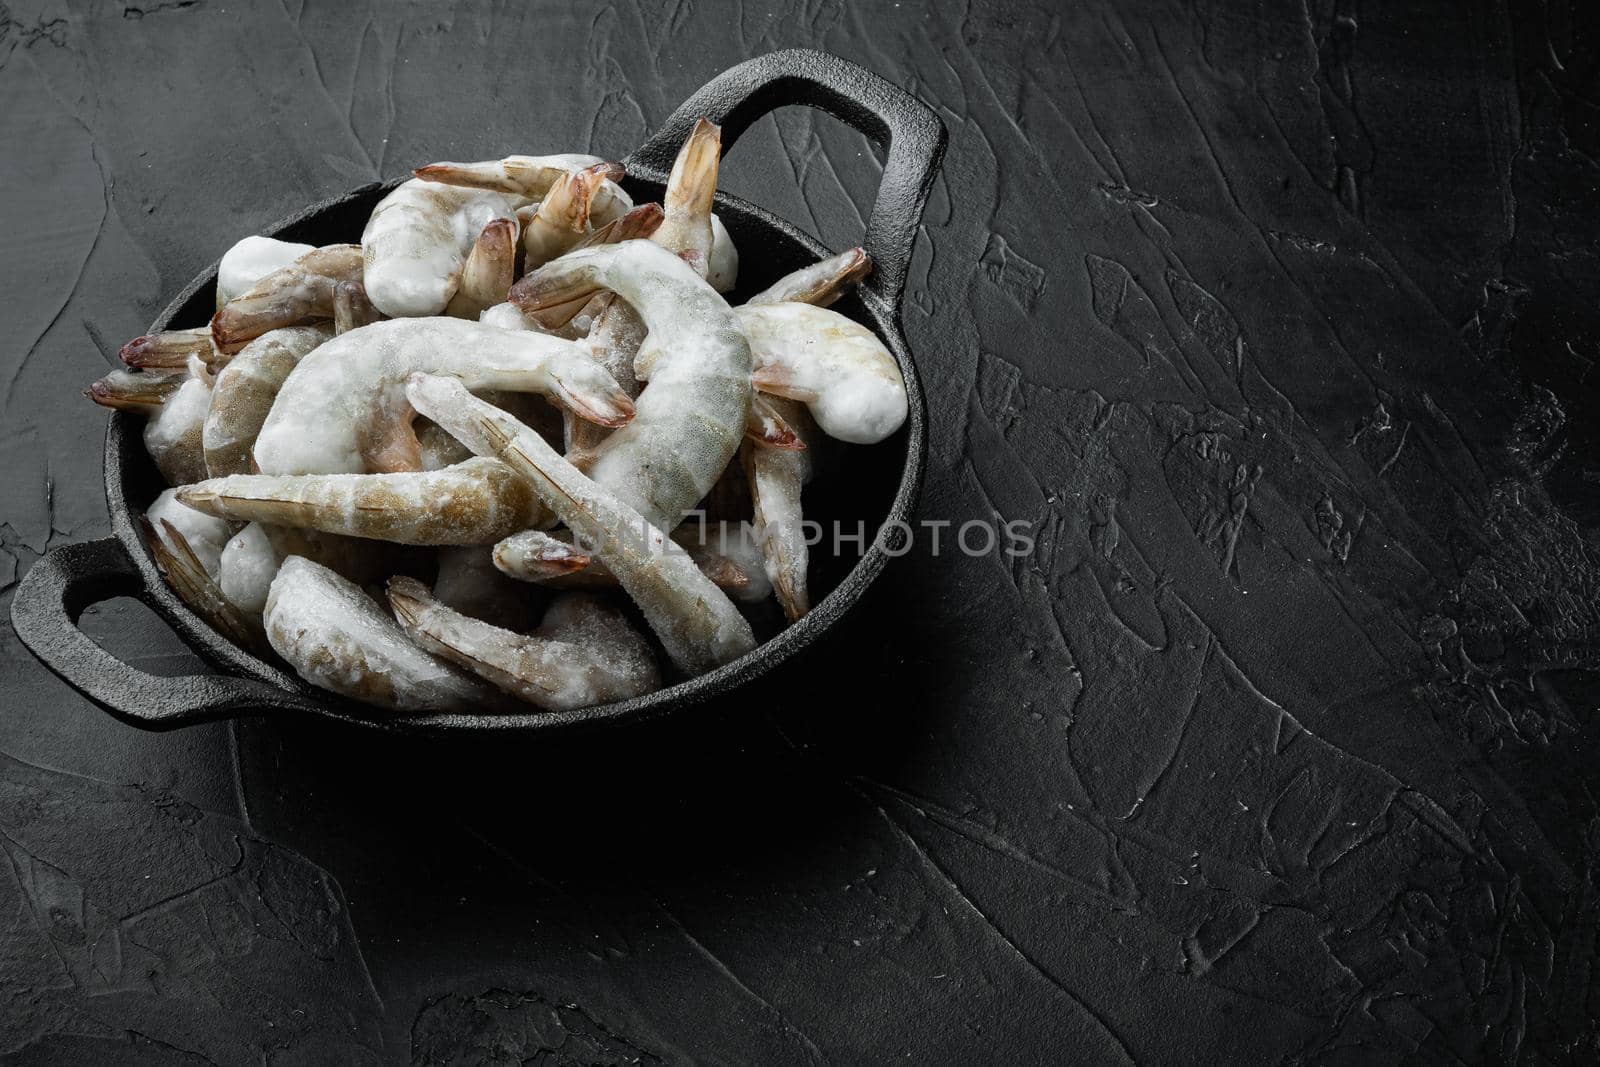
[338,638]
[348,396]
[417,241]
[206,535]
[835,366]
[252,259]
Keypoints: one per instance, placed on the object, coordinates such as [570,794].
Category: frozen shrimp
[531,177]
[417,241]
[244,391]
[822,283]
[834,365]
[252,259]
[351,308]
[475,502]
[298,293]
[544,559]
[690,419]
[343,409]
[696,622]
[562,217]
[589,654]
[490,268]
[169,350]
[338,638]
[775,477]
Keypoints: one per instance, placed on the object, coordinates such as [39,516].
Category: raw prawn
[690,419]
[337,637]
[585,654]
[475,502]
[696,622]
[298,293]
[343,409]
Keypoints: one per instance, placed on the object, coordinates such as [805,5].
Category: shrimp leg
[475,502]
[698,625]
[418,239]
[588,654]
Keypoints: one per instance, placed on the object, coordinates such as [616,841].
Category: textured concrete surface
[1276,320]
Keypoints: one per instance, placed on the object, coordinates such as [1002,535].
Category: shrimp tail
[636,225]
[533,555]
[608,406]
[822,283]
[767,426]
[585,653]
[489,270]
[779,380]
[691,190]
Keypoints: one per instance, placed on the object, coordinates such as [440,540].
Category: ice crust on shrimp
[338,638]
[696,622]
[584,653]
[691,417]
[343,409]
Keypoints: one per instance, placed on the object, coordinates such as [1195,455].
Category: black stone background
[1276,318]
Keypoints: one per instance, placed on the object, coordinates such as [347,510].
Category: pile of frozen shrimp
[516,387]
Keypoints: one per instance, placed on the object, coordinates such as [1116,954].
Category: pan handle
[894,119]
[45,611]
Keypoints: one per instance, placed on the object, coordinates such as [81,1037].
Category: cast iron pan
[882,485]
